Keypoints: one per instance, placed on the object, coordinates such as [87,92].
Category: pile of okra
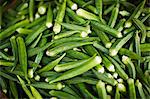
[74,49]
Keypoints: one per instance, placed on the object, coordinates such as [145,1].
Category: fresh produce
[79,49]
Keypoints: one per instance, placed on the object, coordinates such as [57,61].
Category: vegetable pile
[74,49]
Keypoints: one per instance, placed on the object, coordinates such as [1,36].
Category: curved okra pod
[65,46]
[93,61]
[51,65]
[106,29]
[118,44]
[59,18]
[132,93]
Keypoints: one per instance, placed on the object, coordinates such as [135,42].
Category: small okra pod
[137,46]
[7,32]
[35,22]
[24,31]
[131,68]
[52,64]
[105,78]
[5,75]
[6,57]
[64,47]
[100,47]
[142,28]
[24,87]
[89,7]
[45,85]
[101,90]
[49,19]
[62,95]
[113,17]
[6,63]
[31,10]
[110,67]
[109,9]
[22,55]
[3,84]
[140,89]
[131,54]
[74,16]
[31,37]
[145,47]
[106,29]
[86,15]
[34,44]
[104,38]
[136,13]
[76,27]
[65,34]
[131,86]
[93,61]
[76,54]
[120,25]
[90,50]
[72,5]
[35,93]
[13,89]
[59,18]
[119,70]
[118,44]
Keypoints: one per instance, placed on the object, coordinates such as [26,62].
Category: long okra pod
[22,55]
[59,18]
[49,18]
[93,61]
[106,29]
[66,46]
[13,89]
